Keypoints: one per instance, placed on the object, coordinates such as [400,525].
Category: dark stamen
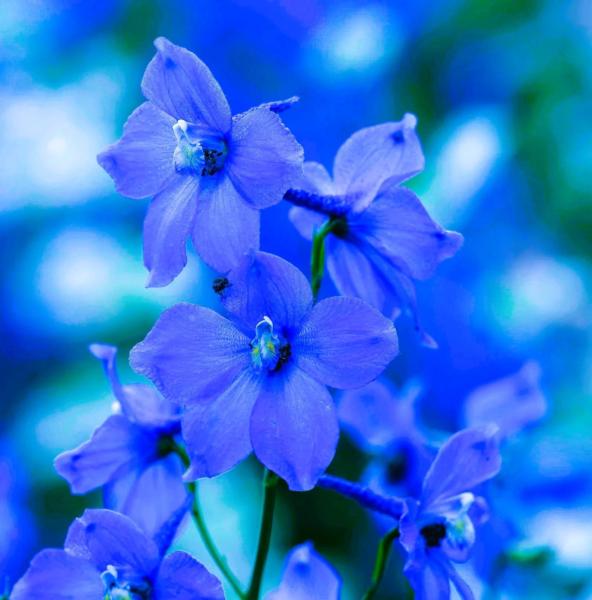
[433,534]
[220,284]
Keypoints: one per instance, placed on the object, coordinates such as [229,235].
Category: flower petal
[181,85]
[266,285]
[279,106]
[294,428]
[141,162]
[58,575]
[264,158]
[317,179]
[217,431]
[374,154]
[428,579]
[181,577]
[226,226]
[306,221]
[345,343]
[307,576]
[191,353]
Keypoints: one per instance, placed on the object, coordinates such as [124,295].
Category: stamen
[199,150]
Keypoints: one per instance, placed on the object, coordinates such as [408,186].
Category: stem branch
[382,555]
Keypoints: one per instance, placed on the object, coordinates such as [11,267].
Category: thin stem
[317,259]
[196,513]
[270,482]
[382,555]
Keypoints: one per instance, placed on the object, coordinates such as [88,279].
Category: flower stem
[317,259]
[204,533]
[382,555]
[270,482]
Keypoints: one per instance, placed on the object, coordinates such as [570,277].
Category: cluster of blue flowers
[254,377]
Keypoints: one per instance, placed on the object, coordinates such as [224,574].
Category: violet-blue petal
[428,579]
[463,589]
[306,221]
[165,535]
[167,226]
[180,84]
[374,154]
[512,403]
[307,576]
[181,577]
[264,158]
[279,106]
[217,431]
[316,179]
[191,353]
[466,459]
[114,446]
[141,162]
[294,429]
[226,226]
[345,343]
[57,575]
[267,285]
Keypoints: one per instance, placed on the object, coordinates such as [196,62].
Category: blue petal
[117,444]
[428,579]
[181,577]
[167,226]
[294,428]
[466,459]
[264,158]
[226,226]
[345,343]
[267,285]
[141,162]
[511,403]
[306,221]
[191,353]
[181,85]
[58,575]
[317,179]
[217,431]
[279,106]
[167,532]
[373,155]
[464,591]
[307,576]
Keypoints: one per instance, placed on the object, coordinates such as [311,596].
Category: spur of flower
[258,379]
[131,454]
[379,237]
[107,557]
[209,173]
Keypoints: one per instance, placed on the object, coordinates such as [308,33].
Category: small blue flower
[439,527]
[107,557]
[130,454]
[307,576]
[382,238]
[258,381]
[209,172]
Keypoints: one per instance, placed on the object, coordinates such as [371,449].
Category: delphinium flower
[307,576]
[258,381]
[438,528]
[106,556]
[209,173]
[379,237]
[131,454]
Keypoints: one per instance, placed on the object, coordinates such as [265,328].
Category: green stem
[270,482]
[317,259]
[384,549]
[200,523]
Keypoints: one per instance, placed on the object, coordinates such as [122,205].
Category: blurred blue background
[502,91]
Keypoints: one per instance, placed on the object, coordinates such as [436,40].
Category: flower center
[199,150]
[115,589]
[433,534]
[268,350]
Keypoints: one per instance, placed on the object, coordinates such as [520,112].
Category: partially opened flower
[130,455]
[258,381]
[438,528]
[307,576]
[380,236]
[107,557]
[209,172]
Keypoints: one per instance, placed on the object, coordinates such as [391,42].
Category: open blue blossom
[258,381]
[439,528]
[307,576]
[209,172]
[130,455]
[107,557]
[381,237]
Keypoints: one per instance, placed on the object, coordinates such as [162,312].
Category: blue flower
[439,527]
[107,557]
[258,381]
[382,238]
[130,455]
[209,172]
[307,576]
